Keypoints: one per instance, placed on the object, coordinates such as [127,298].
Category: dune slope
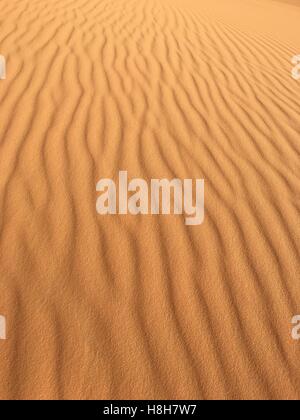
[146,307]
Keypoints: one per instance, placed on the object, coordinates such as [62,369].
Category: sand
[116,307]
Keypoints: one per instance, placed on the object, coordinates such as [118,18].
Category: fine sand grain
[145,307]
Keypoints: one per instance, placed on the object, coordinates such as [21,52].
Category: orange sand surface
[116,307]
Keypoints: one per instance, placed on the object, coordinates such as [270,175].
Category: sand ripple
[145,307]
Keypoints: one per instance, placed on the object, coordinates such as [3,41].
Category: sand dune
[145,307]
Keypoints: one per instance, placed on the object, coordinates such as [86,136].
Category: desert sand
[117,307]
